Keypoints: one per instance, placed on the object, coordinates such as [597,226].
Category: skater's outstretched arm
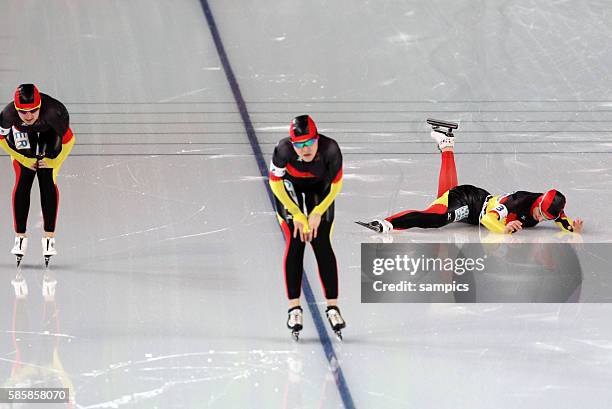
[567,224]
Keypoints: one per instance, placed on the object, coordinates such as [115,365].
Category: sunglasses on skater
[309,142]
[543,214]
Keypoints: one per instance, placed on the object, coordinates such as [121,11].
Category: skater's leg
[24,178]
[432,217]
[326,261]
[328,274]
[49,200]
[294,266]
[448,172]
[293,263]
[49,203]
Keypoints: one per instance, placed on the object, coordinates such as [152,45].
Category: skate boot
[443,140]
[336,321]
[20,247]
[378,225]
[295,322]
[21,287]
[48,287]
[48,247]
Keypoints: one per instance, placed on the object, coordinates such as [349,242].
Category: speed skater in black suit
[503,213]
[35,132]
[306,176]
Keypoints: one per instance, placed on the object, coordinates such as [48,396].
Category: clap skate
[378,225]
[336,321]
[295,322]
[48,247]
[20,247]
[444,138]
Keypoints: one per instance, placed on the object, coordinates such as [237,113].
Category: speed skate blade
[368,226]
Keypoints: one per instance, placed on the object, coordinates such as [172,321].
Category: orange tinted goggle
[29,109]
[545,214]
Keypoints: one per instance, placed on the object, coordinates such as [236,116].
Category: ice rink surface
[169,291]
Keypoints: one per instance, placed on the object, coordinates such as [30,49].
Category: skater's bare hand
[577,225]
[41,164]
[513,226]
[304,232]
[313,222]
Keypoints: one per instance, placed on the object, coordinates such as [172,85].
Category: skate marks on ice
[35,346]
[214,375]
[138,369]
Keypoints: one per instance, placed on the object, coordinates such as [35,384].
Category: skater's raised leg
[435,215]
[448,172]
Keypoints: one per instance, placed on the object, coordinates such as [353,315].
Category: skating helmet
[551,204]
[27,97]
[302,129]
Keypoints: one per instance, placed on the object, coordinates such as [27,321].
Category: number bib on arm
[22,141]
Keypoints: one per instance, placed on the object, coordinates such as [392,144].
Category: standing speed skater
[35,132]
[502,213]
[306,176]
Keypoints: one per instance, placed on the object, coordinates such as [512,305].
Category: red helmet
[302,129]
[552,204]
[27,97]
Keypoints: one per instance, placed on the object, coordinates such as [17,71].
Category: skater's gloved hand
[513,226]
[577,225]
[313,222]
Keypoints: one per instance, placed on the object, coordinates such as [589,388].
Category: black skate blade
[367,226]
[295,335]
[442,124]
[19,261]
[47,259]
[338,335]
